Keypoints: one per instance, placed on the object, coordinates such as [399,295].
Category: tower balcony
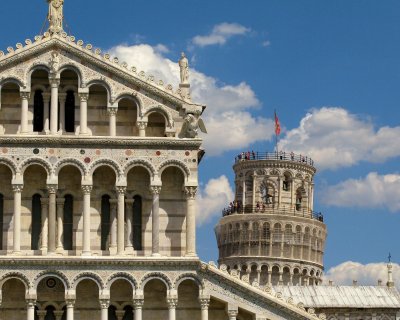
[279,156]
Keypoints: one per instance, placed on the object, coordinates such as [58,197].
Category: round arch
[32,69]
[38,161]
[15,275]
[188,276]
[132,96]
[71,67]
[13,80]
[140,163]
[51,274]
[102,83]
[163,111]
[122,276]
[70,162]
[156,276]
[108,163]
[174,163]
[87,276]
[11,165]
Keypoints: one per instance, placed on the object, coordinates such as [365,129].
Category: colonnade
[137,307]
[52,221]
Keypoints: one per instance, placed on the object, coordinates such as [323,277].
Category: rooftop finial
[55,16]
[390,282]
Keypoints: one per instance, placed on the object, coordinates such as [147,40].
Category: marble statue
[54,62]
[191,125]
[55,15]
[184,68]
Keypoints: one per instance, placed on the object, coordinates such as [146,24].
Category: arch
[191,277]
[15,275]
[11,165]
[133,96]
[38,161]
[156,275]
[39,87]
[160,109]
[122,276]
[108,163]
[87,276]
[32,69]
[140,163]
[102,83]
[174,163]
[70,162]
[14,80]
[71,67]
[70,88]
[54,274]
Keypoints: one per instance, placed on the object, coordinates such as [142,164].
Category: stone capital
[191,192]
[112,111]
[83,96]
[104,303]
[60,201]
[54,81]
[25,95]
[31,303]
[87,189]
[204,303]
[155,190]
[172,302]
[141,124]
[70,302]
[138,303]
[120,190]
[17,187]
[52,188]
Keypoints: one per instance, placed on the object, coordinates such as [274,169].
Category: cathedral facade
[99,174]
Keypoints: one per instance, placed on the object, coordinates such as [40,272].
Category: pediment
[93,67]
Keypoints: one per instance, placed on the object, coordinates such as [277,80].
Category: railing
[284,156]
[271,209]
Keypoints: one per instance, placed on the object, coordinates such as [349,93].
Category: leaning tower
[270,233]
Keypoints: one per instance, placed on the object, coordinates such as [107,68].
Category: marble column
[41,314]
[70,309]
[172,303]
[142,125]
[204,303]
[120,314]
[155,218]
[259,276]
[121,220]
[280,281]
[62,98]
[52,189]
[112,112]
[45,225]
[291,278]
[46,115]
[58,314]
[269,277]
[113,229]
[86,189]
[104,304]
[17,189]
[129,224]
[232,314]
[191,221]
[54,83]
[30,309]
[83,97]
[60,223]
[138,306]
[25,95]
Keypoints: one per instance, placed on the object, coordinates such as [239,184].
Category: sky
[331,70]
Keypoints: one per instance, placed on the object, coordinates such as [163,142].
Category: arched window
[38,109]
[68,221]
[50,313]
[137,223]
[286,182]
[266,194]
[1,220]
[112,315]
[299,199]
[36,221]
[105,221]
[70,112]
[128,313]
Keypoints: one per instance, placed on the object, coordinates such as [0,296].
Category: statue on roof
[55,16]
[184,67]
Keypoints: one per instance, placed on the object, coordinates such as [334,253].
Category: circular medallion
[158,153]
[98,152]
[51,151]
[5,150]
[128,152]
[51,283]
[82,151]
[36,151]
[187,153]
[87,160]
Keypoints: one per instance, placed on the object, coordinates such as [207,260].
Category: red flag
[277,126]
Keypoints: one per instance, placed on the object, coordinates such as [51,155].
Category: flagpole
[276,134]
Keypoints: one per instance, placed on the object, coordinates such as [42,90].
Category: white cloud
[373,191]
[266,43]
[367,274]
[229,123]
[215,196]
[220,34]
[335,138]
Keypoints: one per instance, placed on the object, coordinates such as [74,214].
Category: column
[121,220]
[129,224]
[172,303]
[155,218]
[191,221]
[45,225]
[70,309]
[41,314]
[54,83]
[113,231]
[52,189]
[62,98]
[86,189]
[17,189]
[25,95]
[46,102]
[204,303]
[244,193]
[269,277]
[104,304]
[280,281]
[142,125]
[232,314]
[120,314]
[138,305]
[280,183]
[60,224]
[83,97]
[291,278]
[112,112]
[254,190]
[259,275]
[30,309]
[58,314]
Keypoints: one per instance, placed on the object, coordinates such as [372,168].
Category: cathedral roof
[343,296]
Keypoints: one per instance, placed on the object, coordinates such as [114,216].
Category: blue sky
[338,61]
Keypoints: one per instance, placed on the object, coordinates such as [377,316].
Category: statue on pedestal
[55,16]
[184,68]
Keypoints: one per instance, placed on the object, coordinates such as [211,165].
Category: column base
[113,250]
[43,251]
[191,255]
[86,254]
[129,250]
[156,255]
[60,250]
[16,253]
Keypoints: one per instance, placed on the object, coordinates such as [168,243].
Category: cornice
[73,141]
[280,164]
